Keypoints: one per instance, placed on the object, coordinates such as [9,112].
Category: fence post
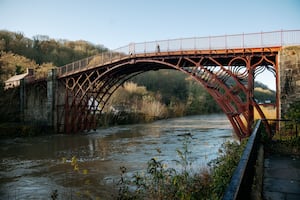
[180,44]
[281,37]
[261,39]
[226,41]
[168,46]
[243,40]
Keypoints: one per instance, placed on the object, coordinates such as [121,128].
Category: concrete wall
[289,78]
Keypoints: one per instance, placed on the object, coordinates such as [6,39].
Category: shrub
[224,166]
[161,182]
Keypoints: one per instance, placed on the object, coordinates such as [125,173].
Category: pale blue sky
[116,23]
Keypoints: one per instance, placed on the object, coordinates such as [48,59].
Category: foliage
[200,101]
[224,165]
[43,49]
[179,93]
[9,105]
[161,182]
[289,146]
[152,108]
[263,94]
[170,84]
[132,104]
[12,64]
[286,140]
[293,111]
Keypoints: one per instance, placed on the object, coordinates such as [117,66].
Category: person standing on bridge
[131,48]
[157,48]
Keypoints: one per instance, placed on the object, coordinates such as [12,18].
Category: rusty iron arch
[224,99]
[221,77]
[106,83]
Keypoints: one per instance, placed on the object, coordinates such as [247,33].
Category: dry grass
[132,87]
[269,111]
[266,91]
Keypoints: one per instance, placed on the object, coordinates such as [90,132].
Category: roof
[16,77]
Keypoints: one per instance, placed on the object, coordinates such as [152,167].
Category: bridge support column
[250,98]
[51,99]
[289,79]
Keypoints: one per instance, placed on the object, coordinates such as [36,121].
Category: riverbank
[19,129]
[13,130]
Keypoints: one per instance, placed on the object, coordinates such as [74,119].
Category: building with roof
[14,81]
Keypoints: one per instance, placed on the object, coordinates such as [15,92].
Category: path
[281,177]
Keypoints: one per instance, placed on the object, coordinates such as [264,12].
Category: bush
[224,166]
[160,182]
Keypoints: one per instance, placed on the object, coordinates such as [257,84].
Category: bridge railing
[240,185]
[237,41]
[242,178]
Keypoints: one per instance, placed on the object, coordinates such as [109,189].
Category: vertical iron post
[250,96]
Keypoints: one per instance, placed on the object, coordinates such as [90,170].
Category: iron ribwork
[228,76]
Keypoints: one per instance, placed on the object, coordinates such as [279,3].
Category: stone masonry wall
[35,104]
[289,78]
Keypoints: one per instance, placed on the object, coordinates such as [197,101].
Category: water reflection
[32,168]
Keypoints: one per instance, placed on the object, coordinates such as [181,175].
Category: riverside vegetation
[159,181]
[286,141]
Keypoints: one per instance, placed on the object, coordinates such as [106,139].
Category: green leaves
[224,166]
[161,182]
[293,112]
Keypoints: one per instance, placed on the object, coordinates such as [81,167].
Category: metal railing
[237,41]
[242,178]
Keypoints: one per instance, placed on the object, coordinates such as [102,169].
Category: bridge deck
[226,44]
[78,67]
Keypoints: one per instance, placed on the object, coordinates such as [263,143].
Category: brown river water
[33,168]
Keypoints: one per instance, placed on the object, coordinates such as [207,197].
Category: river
[33,168]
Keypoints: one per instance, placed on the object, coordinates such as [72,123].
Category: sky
[116,23]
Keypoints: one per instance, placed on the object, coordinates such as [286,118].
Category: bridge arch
[228,78]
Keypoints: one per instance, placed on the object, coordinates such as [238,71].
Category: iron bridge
[225,65]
